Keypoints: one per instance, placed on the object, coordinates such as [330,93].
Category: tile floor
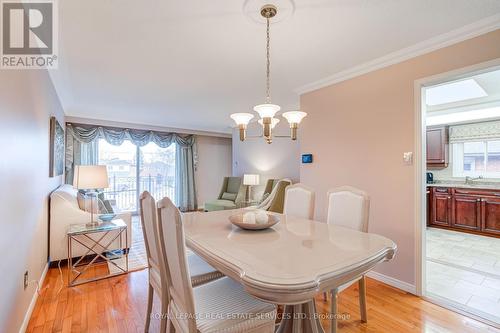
[465,269]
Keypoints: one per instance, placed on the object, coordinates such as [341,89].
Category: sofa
[231,194]
[64,210]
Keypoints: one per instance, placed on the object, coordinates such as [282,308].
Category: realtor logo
[29,34]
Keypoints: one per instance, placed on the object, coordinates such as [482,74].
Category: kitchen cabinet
[437,147]
[441,207]
[466,212]
[460,209]
[490,211]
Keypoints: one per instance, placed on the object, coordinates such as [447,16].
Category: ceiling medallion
[267,110]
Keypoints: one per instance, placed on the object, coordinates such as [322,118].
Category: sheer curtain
[185,189]
[82,149]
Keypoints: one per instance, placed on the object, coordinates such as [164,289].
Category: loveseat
[64,210]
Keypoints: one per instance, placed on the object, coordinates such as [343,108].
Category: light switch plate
[408,158]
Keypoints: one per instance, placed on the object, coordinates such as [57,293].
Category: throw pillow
[228,196]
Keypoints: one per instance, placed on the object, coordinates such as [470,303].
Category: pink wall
[27,101]
[214,163]
[358,130]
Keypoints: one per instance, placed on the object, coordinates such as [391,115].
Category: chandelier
[267,111]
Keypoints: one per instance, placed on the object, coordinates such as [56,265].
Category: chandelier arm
[254,136]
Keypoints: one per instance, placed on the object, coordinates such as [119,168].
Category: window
[477,158]
[132,170]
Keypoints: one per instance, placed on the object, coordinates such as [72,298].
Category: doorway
[458,190]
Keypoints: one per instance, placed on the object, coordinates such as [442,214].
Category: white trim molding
[420,157]
[31,307]
[405,286]
[469,31]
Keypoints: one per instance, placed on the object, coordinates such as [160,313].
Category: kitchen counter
[476,185]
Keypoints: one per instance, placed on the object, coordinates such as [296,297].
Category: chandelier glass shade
[268,111]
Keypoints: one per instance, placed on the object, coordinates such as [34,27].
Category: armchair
[273,199]
[231,194]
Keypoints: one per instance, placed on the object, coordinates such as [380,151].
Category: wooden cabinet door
[490,215]
[428,206]
[441,209]
[466,212]
[437,146]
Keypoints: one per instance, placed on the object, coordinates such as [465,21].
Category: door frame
[421,167]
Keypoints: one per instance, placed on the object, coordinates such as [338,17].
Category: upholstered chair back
[274,202]
[348,207]
[232,189]
[149,224]
[171,235]
[299,201]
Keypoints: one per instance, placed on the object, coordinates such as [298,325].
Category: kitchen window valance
[475,132]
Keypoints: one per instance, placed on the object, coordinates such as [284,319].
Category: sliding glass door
[157,171]
[133,169]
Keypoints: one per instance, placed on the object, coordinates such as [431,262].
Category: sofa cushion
[228,196]
[219,205]
[233,184]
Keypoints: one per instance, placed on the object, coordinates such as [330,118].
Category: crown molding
[469,31]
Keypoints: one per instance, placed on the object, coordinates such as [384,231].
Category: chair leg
[150,308]
[325,298]
[333,311]
[164,315]
[362,299]
[170,326]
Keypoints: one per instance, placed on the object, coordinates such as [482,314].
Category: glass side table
[81,234]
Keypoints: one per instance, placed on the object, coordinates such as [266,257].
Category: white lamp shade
[294,117]
[241,118]
[274,122]
[267,110]
[250,179]
[88,177]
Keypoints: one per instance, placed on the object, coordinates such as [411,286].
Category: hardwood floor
[118,305]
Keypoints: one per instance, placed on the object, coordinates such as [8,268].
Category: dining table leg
[301,318]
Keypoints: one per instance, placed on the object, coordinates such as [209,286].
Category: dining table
[289,263]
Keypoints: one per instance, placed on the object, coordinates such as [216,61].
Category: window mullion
[485,157]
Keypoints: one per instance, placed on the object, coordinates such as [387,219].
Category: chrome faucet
[469,180]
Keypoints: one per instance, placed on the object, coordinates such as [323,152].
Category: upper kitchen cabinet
[437,147]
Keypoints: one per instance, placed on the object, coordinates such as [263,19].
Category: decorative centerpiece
[254,219]
[106,217]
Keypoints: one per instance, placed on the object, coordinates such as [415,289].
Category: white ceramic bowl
[238,220]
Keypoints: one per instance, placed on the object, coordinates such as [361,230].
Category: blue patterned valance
[116,136]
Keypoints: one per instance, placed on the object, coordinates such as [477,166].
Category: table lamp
[91,178]
[250,180]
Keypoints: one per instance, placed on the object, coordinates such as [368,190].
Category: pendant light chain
[268,71]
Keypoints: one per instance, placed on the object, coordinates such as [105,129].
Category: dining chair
[348,207]
[209,307]
[299,201]
[201,272]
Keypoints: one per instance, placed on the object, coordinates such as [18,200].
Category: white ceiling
[191,63]
[488,82]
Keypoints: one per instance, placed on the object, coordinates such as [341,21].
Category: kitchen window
[476,158]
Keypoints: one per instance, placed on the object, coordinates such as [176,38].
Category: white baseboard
[405,286]
[27,316]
